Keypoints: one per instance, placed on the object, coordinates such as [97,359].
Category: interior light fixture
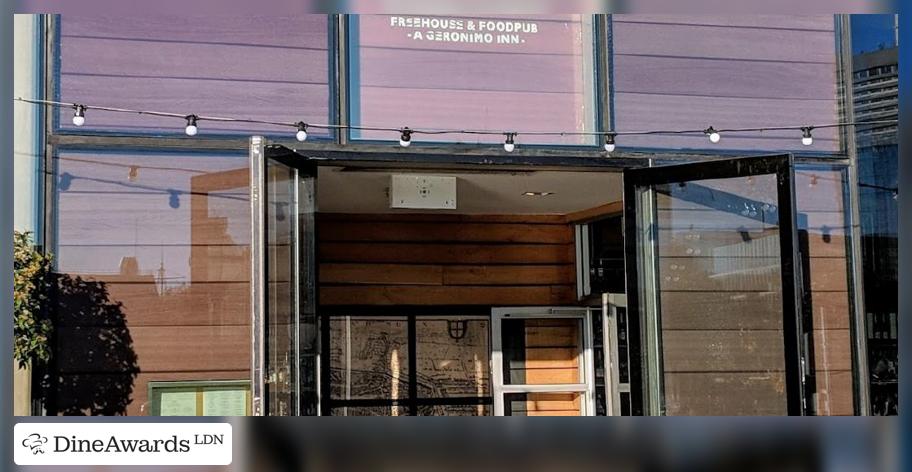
[537,194]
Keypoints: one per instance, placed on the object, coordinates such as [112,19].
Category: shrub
[31,326]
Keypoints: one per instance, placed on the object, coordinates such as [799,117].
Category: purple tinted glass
[264,68]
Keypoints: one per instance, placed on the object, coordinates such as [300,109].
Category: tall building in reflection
[876,98]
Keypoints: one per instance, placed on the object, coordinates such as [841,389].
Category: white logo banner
[122,443]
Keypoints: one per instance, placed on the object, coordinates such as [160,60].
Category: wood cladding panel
[153,349]
[455,295]
[423,259]
[723,351]
[143,304]
[725,393]
[442,253]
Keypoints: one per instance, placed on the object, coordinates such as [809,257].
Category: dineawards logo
[122,443]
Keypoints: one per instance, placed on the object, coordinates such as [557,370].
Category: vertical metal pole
[341,77]
[855,263]
[257,274]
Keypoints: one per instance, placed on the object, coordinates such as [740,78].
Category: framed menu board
[200,398]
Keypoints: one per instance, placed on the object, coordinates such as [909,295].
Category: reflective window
[678,72]
[522,73]
[152,256]
[875,92]
[265,68]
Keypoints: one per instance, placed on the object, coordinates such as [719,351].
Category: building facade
[244,270]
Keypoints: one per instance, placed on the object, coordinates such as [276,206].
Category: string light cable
[300,128]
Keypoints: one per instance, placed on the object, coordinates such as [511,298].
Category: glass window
[875,45]
[265,68]
[378,361]
[823,239]
[674,72]
[542,351]
[516,73]
[369,358]
[152,254]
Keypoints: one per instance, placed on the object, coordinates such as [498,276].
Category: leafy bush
[31,327]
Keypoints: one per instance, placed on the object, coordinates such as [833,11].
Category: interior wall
[435,259]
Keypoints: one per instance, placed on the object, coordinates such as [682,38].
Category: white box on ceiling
[426,192]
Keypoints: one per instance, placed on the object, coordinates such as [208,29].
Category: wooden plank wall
[424,259]
[686,71]
[152,289]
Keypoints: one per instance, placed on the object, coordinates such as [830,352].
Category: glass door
[711,284]
[542,362]
[284,335]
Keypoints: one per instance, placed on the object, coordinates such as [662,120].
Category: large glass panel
[711,279]
[542,351]
[453,357]
[259,67]
[516,73]
[674,72]
[152,260]
[282,273]
[824,230]
[369,358]
[875,89]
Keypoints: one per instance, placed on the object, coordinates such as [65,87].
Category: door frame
[586,357]
[650,397]
[304,278]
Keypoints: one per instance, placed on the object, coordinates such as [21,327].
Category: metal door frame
[650,398]
[304,278]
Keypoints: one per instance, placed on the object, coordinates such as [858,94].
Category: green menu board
[200,398]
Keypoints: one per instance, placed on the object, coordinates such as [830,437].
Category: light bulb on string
[191,128]
[714,135]
[813,181]
[406,139]
[301,135]
[609,142]
[79,115]
[806,138]
[509,145]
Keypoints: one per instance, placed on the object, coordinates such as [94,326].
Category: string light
[714,135]
[509,145]
[406,133]
[191,128]
[406,139]
[301,135]
[806,137]
[609,142]
[79,115]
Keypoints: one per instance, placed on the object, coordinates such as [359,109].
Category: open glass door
[711,283]
[284,335]
[542,362]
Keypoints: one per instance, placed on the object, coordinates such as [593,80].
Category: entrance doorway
[362,307]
